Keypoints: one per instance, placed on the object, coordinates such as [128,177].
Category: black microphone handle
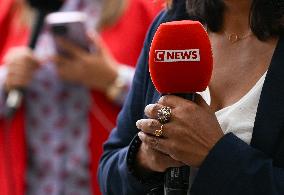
[177,181]
[177,178]
[15,96]
[37,28]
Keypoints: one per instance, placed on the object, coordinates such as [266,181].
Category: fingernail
[148,106]
[141,135]
[138,124]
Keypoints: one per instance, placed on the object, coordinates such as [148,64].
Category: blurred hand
[21,65]
[192,132]
[94,70]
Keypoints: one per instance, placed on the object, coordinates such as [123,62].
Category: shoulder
[161,17]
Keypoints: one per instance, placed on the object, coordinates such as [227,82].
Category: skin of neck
[236,16]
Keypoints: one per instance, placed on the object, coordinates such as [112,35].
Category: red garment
[11,32]
[125,40]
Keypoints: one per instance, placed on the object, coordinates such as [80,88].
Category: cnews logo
[188,55]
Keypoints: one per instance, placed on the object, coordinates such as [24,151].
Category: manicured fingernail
[141,135]
[138,124]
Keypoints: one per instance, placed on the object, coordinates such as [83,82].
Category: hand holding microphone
[15,95]
[21,65]
[192,132]
[180,64]
[187,138]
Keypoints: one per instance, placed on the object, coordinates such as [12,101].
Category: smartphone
[71,26]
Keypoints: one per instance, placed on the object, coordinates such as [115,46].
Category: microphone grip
[15,96]
[177,178]
[187,96]
[39,22]
[177,181]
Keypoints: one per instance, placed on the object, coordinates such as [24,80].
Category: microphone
[43,7]
[180,63]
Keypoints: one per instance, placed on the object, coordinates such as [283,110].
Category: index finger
[151,110]
[97,41]
[173,101]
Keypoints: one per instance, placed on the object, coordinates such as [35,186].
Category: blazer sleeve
[233,167]
[114,176]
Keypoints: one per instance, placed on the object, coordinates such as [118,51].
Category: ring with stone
[164,114]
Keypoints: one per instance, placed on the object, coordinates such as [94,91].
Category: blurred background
[73,77]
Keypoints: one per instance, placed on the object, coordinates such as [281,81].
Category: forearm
[119,88]
[116,176]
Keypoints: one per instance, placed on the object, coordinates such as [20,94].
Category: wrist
[118,88]
[109,79]
[4,79]
[145,176]
[140,166]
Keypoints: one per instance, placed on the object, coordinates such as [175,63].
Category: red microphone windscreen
[180,59]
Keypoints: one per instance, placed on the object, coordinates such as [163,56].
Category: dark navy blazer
[232,167]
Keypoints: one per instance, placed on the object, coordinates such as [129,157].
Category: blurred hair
[169,3]
[111,11]
[266,17]
[177,10]
[22,13]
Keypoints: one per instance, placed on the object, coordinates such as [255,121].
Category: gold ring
[164,114]
[159,132]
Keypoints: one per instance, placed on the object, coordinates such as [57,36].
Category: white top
[238,118]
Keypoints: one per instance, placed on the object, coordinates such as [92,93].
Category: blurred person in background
[70,103]
[232,135]
[13,24]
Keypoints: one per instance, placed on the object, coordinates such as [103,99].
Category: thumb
[97,41]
